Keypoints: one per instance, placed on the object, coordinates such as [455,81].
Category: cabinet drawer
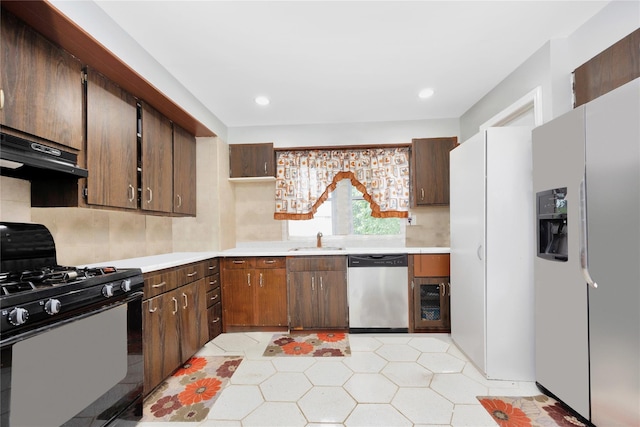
[214,314]
[317,263]
[270,262]
[189,273]
[213,281]
[211,267]
[431,265]
[213,296]
[158,282]
[237,263]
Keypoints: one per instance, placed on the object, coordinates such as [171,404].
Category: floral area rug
[190,392]
[534,411]
[327,344]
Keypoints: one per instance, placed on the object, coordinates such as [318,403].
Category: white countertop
[173,259]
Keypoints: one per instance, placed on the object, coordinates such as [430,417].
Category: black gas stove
[35,290]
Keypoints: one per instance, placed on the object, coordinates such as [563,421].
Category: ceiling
[343,61]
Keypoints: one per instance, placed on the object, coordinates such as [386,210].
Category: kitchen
[242,213]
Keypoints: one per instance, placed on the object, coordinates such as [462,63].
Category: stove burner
[25,281]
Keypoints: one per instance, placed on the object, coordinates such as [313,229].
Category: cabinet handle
[159,285]
[213,298]
[211,267]
[261,282]
[270,261]
[265,168]
[249,279]
[150,195]
[154,310]
[443,287]
[422,194]
[238,261]
[412,285]
[449,285]
[213,282]
[179,201]
[132,193]
[175,306]
[216,320]
[192,274]
[2,102]
[313,284]
[321,288]
[186,300]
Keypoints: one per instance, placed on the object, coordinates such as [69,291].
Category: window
[345,213]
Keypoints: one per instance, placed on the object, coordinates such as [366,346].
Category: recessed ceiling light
[425,93]
[262,100]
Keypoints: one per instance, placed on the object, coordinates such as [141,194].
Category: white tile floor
[389,380]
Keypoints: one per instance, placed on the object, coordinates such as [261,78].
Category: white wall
[344,133]
[551,67]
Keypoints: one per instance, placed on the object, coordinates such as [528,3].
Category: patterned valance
[305,178]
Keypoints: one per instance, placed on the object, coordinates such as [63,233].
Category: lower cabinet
[318,292]
[214,298]
[254,291]
[174,322]
[431,293]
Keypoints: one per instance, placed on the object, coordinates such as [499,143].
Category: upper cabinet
[184,172]
[42,91]
[430,169]
[156,161]
[111,144]
[251,160]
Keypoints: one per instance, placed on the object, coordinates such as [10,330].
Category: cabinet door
[271,297]
[215,320]
[303,310]
[41,84]
[430,168]
[332,299]
[251,160]
[431,303]
[157,161]
[237,292]
[194,331]
[184,172]
[111,144]
[160,325]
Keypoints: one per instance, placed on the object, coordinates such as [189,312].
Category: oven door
[86,370]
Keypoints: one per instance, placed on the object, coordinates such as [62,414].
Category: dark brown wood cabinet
[174,320]
[214,297]
[431,292]
[430,170]
[156,161]
[42,86]
[184,172]
[254,290]
[251,160]
[111,144]
[317,292]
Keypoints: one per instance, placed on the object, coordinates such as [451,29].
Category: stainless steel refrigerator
[586,181]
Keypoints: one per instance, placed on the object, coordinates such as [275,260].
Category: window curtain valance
[305,178]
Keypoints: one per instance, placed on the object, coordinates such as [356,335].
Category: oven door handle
[91,311]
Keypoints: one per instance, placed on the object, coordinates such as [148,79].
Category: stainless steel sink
[315,248]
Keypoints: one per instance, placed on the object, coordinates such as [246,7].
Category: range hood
[21,158]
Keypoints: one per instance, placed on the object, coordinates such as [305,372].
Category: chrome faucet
[319,239]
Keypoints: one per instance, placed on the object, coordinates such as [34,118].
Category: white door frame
[532,100]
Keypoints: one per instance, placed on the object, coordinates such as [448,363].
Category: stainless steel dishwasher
[378,293]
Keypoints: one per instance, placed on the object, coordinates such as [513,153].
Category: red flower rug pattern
[190,392]
[533,411]
[321,344]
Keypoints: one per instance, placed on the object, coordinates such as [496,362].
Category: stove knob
[107,290]
[126,285]
[18,316]
[52,306]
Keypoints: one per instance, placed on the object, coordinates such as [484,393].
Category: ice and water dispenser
[551,224]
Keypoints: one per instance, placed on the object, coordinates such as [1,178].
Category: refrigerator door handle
[479,252]
[584,254]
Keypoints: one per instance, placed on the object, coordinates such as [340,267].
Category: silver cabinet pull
[132,193]
[159,285]
[238,261]
[211,267]
[449,285]
[270,261]
[152,310]
[192,274]
[179,201]
[1,99]
[313,284]
[321,287]
[213,282]
[265,168]
[261,281]
[175,306]
[150,195]
[216,320]
[213,298]
[422,194]
[186,300]
[443,288]
[584,251]
[249,279]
